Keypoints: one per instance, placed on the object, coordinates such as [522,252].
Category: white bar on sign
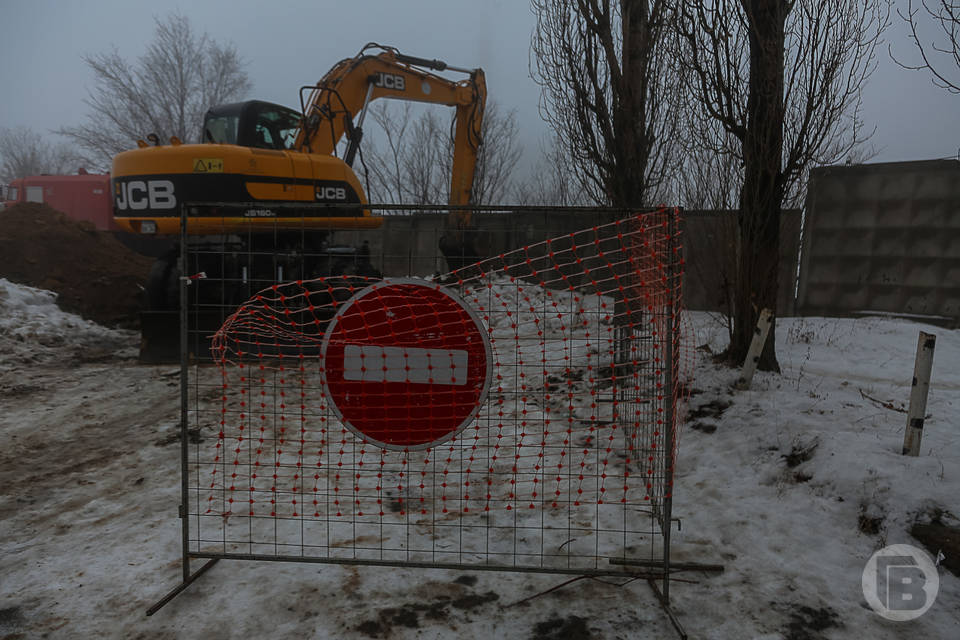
[373,363]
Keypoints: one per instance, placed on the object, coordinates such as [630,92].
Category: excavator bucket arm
[349,87]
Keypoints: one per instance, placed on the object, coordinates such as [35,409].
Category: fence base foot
[674,620]
[674,566]
[180,587]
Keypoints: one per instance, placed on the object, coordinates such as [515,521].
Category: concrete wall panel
[408,245]
[883,237]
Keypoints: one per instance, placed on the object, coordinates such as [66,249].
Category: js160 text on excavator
[260,163]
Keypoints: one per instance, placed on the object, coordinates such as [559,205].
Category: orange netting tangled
[533,392]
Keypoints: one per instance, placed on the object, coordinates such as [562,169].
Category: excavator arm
[352,84]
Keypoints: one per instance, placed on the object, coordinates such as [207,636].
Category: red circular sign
[406,364]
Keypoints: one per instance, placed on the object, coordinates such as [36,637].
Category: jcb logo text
[331,193]
[389,81]
[140,194]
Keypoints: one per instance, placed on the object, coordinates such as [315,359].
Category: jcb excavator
[260,160]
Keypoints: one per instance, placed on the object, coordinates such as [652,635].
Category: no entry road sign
[406,364]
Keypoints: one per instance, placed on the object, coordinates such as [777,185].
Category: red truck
[85,196]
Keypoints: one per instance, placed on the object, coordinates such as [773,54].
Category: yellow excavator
[259,161]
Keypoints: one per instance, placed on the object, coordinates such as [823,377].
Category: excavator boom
[349,87]
[352,84]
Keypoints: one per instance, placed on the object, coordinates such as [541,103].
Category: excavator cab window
[221,129]
[252,124]
[276,128]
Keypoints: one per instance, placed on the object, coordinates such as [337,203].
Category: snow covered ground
[791,485]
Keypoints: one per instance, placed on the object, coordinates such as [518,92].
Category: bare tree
[711,174]
[24,152]
[166,91]
[427,168]
[551,181]
[413,165]
[498,156]
[784,79]
[940,56]
[385,166]
[608,92]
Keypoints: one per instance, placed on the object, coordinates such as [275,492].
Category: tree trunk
[762,192]
[630,108]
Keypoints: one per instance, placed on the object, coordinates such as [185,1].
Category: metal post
[184,396]
[671,360]
[923,364]
[184,511]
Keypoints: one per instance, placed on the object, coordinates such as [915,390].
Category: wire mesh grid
[517,413]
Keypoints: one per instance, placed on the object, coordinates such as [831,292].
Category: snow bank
[33,326]
[796,482]
[791,485]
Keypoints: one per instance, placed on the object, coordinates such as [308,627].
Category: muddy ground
[94,275]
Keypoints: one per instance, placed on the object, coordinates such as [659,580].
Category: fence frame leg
[187,581]
[665,604]
[188,577]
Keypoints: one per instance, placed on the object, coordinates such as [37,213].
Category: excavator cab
[254,123]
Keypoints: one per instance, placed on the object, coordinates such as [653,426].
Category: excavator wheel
[162,293]
[160,319]
[224,293]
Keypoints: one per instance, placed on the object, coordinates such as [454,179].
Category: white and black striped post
[756,348]
[918,393]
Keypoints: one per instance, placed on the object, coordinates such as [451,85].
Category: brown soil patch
[94,274]
[940,538]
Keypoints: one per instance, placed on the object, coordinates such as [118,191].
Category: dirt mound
[95,276]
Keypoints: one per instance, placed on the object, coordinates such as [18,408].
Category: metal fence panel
[564,465]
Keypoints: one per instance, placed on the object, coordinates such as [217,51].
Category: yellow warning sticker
[208,165]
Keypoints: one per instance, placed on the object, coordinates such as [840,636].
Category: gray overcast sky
[290,43]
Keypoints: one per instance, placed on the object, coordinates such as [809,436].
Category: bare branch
[940,55]
[415,163]
[551,181]
[166,91]
[24,152]
[609,94]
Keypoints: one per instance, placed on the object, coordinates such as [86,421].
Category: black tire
[162,292]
